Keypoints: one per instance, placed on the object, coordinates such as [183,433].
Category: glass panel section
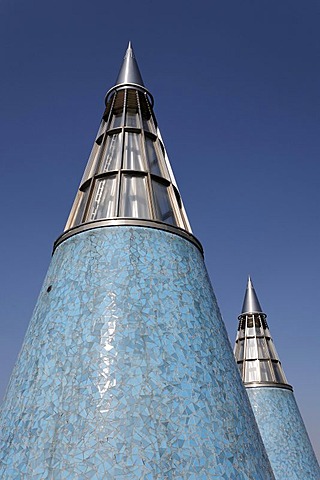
[263,351]
[272,350]
[112,154]
[134,201]
[146,114]
[240,349]
[163,208]
[132,152]
[259,328]
[240,365]
[251,373]
[250,328]
[92,163]
[132,117]
[278,373]
[265,372]
[104,198]
[152,157]
[77,219]
[251,351]
[116,117]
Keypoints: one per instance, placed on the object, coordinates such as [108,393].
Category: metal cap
[129,71]
[251,303]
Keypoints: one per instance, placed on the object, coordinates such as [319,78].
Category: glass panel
[134,201]
[265,372]
[82,200]
[132,152]
[132,118]
[251,351]
[101,130]
[272,350]
[251,373]
[163,208]
[278,373]
[92,163]
[263,351]
[239,354]
[112,154]
[152,157]
[259,328]
[146,115]
[116,117]
[250,327]
[104,198]
[240,365]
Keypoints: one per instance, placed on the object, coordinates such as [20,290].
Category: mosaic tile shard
[126,371]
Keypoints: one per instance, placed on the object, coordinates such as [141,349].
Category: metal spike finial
[251,303]
[129,71]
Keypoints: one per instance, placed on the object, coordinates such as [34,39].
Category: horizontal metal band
[129,222]
[285,386]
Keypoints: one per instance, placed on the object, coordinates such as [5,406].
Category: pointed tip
[129,71]
[251,303]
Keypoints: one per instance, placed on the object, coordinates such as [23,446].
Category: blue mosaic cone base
[284,434]
[126,371]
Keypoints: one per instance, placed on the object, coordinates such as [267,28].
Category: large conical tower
[126,371]
[277,414]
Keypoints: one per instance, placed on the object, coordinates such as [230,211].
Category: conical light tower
[277,414]
[126,371]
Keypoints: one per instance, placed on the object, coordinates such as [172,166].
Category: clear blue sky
[236,87]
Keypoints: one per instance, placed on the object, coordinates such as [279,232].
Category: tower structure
[272,399]
[126,371]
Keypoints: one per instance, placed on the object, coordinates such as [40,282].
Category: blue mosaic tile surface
[126,371]
[284,434]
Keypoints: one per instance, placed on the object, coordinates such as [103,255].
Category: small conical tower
[272,400]
[126,371]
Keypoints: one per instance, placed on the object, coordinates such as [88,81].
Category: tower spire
[129,72]
[277,415]
[128,179]
[254,349]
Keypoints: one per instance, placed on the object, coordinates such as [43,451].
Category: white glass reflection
[262,348]
[251,371]
[265,372]
[132,152]
[104,198]
[112,154]
[251,351]
[163,207]
[134,201]
[240,344]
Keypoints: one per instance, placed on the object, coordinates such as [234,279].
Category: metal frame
[131,222]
